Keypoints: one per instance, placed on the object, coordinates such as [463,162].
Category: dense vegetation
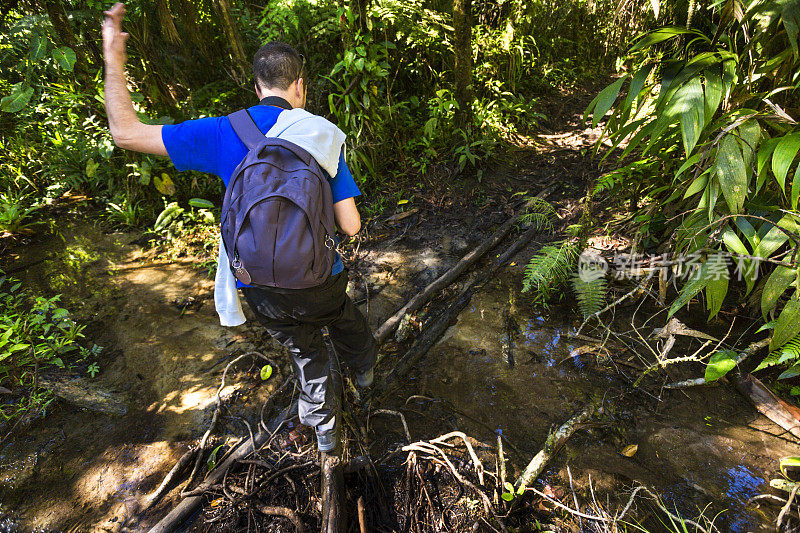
[708,124]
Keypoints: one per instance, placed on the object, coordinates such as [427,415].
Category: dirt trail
[79,470]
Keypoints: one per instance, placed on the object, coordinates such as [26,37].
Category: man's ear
[258,91]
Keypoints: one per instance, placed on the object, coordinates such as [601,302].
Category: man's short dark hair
[277,65]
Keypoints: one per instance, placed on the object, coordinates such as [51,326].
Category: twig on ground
[182,463]
[747,352]
[271,510]
[399,415]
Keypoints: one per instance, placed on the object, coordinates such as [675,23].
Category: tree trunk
[462,46]
[188,18]
[66,36]
[360,8]
[237,49]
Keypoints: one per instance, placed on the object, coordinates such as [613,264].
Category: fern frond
[769,360]
[608,181]
[549,269]
[539,214]
[789,352]
[591,294]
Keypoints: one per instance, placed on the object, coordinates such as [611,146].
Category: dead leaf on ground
[630,450]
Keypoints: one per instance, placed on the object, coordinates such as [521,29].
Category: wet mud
[83,470]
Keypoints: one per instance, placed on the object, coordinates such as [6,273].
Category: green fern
[549,269]
[591,294]
[789,352]
[608,181]
[539,214]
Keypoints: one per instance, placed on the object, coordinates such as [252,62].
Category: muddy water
[80,470]
[701,448]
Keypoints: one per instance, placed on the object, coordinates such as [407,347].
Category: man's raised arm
[126,128]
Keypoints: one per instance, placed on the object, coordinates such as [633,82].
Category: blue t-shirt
[210,145]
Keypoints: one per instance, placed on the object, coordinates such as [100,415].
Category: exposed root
[270,510]
[182,463]
[215,417]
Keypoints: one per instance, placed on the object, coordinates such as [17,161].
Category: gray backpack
[277,213]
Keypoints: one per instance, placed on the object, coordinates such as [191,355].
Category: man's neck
[283,95]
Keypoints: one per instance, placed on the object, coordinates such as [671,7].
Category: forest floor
[80,469]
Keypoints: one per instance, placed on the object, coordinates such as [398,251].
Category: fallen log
[190,504]
[769,405]
[421,298]
[433,332]
[554,441]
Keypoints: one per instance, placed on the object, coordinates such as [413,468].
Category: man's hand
[126,128]
[114,39]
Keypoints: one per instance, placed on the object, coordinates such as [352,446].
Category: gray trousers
[295,317]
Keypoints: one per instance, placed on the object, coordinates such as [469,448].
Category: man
[294,317]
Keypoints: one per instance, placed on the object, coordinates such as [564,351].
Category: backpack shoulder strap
[246,129]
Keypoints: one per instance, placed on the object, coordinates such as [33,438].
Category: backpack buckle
[330,244]
[240,272]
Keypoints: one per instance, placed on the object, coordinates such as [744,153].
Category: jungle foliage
[382,70]
[709,137]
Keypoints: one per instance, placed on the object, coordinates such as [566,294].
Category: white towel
[226,296]
[319,137]
[323,140]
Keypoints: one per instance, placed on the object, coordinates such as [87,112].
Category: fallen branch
[537,465]
[400,216]
[334,498]
[190,504]
[334,513]
[433,332]
[397,414]
[786,507]
[421,298]
[747,352]
[362,515]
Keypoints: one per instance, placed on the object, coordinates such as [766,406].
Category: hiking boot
[365,379]
[328,441]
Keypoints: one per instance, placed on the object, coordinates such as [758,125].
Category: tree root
[182,463]
[271,510]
